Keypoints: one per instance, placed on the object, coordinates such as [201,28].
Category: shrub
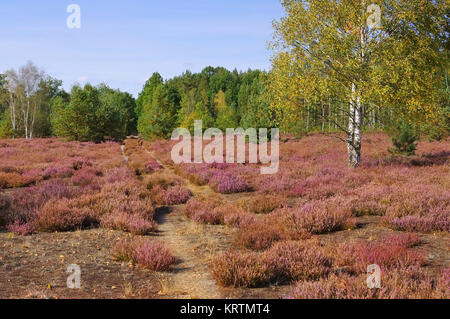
[204,210]
[227,183]
[132,223]
[148,254]
[32,175]
[21,229]
[288,261]
[154,256]
[85,176]
[80,162]
[12,180]
[262,204]
[58,171]
[386,256]
[60,215]
[407,283]
[236,217]
[316,218]
[259,235]
[403,240]
[163,180]
[117,174]
[25,202]
[239,270]
[436,221]
[177,195]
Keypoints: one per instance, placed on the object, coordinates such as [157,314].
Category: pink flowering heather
[148,254]
[316,217]
[407,240]
[227,183]
[386,256]
[21,229]
[288,261]
[132,223]
[85,176]
[177,195]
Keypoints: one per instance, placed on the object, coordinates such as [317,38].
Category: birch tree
[362,57]
[22,86]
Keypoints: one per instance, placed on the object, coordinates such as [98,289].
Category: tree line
[34,104]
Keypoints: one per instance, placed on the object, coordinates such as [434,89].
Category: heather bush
[148,254]
[12,180]
[117,174]
[227,183]
[25,202]
[290,260]
[32,176]
[262,204]
[407,240]
[21,229]
[234,216]
[85,176]
[239,270]
[60,215]
[80,162]
[203,210]
[259,235]
[176,195]
[406,283]
[392,256]
[132,223]
[163,180]
[316,217]
[434,221]
[58,172]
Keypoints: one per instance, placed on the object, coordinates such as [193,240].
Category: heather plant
[259,235]
[392,256]
[203,210]
[262,204]
[436,221]
[60,215]
[163,180]
[147,254]
[227,183]
[291,261]
[405,283]
[12,180]
[176,195]
[57,172]
[239,270]
[21,229]
[406,240]
[25,202]
[316,218]
[85,176]
[132,223]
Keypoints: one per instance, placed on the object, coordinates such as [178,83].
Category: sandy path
[193,244]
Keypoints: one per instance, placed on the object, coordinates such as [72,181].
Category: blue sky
[122,43]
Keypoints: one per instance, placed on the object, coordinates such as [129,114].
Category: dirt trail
[193,244]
